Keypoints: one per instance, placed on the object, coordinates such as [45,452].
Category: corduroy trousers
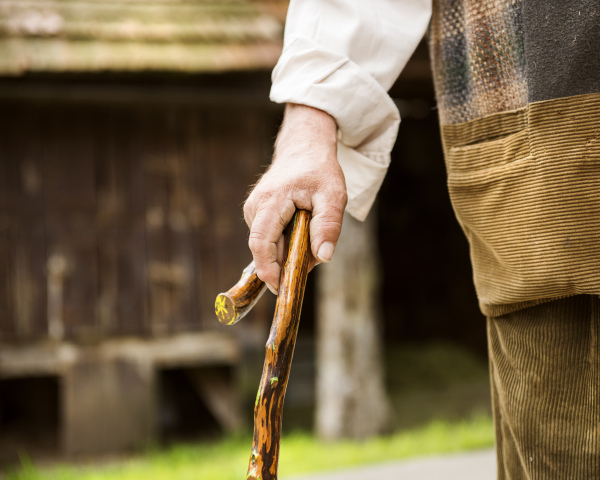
[545,379]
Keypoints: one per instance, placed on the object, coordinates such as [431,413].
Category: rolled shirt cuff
[364,175]
[367,118]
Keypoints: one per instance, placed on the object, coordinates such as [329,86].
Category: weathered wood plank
[122,296]
[69,160]
[27,229]
[70,198]
[7,326]
[182,249]
[28,266]
[203,215]
[184,350]
[7,183]
[160,274]
[8,167]
[72,276]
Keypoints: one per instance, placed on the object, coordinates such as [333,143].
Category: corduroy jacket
[517,85]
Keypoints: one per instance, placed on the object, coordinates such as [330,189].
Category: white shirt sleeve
[341,56]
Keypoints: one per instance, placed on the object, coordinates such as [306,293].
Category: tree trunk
[351,397]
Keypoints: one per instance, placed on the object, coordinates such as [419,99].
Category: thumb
[326,224]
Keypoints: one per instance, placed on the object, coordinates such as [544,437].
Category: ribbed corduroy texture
[525,186]
[545,375]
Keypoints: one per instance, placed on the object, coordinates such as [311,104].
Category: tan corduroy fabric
[525,186]
[545,376]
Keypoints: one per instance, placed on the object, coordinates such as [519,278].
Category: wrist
[306,124]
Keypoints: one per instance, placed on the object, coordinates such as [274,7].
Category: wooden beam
[49,358]
[139,94]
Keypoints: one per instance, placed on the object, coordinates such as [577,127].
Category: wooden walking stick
[268,408]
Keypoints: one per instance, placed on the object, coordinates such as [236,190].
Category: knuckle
[256,245]
[339,195]
[266,273]
[262,272]
[327,227]
[303,196]
[259,196]
[333,213]
[343,198]
[263,196]
[330,228]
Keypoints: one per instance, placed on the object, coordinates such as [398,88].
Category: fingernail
[273,289]
[325,252]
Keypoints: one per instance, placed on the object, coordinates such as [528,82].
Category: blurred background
[129,136]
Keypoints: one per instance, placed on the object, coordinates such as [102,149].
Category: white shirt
[342,56]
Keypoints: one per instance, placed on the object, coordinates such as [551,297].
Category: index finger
[266,229]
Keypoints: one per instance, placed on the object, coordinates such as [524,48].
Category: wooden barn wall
[117,220]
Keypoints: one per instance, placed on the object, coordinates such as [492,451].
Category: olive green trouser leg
[545,377]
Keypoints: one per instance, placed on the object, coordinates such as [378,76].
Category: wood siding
[118,220]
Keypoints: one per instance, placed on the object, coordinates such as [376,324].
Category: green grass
[300,453]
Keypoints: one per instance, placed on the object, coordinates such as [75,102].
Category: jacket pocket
[490,185]
[485,159]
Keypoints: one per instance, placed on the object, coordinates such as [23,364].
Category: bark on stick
[268,409]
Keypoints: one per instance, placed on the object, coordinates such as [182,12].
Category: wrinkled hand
[304,174]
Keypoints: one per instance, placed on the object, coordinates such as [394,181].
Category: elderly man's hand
[305,174]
